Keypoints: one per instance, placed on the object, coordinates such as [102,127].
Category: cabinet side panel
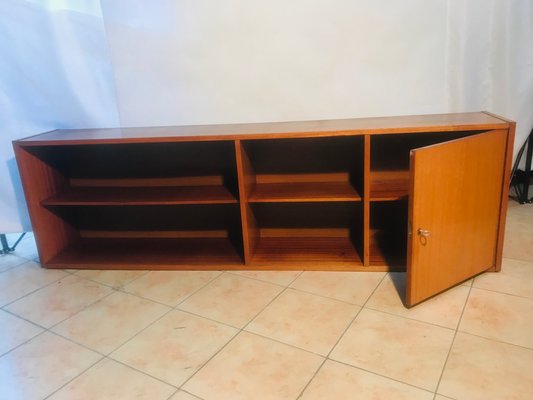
[40,181]
[505,197]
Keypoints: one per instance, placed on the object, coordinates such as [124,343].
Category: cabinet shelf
[147,253]
[303,192]
[389,185]
[309,252]
[122,196]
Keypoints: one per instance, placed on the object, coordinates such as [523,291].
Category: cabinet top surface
[265,130]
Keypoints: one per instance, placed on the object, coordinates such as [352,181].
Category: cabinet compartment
[151,236]
[142,173]
[304,170]
[389,161]
[308,235]
[388,234]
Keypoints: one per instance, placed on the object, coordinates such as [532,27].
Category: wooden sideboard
[426,194]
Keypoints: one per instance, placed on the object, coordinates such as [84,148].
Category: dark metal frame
[521,179]
[5,245]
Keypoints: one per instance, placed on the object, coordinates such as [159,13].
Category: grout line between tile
[341,336]
[22,261]
[505,293]
[118,287]
[383,376]
[21,344]
[234,272]
[325,297]
[409,318]
[75,377]
[240,330]
[33,291]
[451,345]
[158,319]
[496,340]
[141,372]
[517,259]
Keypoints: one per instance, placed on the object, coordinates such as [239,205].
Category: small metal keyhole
[423,232]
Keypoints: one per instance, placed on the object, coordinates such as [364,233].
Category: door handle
[423,232]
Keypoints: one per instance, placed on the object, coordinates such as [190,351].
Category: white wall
[54,73]
[202,61]
[207,61]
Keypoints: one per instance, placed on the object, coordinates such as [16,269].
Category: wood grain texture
[148,253]
[342,127]
[456,195]
[40,181]
[303,192]
[389,185]
[246,182]
[505,196]
[335,253]
[314,195]
[87,196]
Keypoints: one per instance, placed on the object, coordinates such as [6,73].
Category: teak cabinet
[426,194]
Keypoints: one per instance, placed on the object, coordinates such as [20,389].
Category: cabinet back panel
[142,160]
[146,218]
[330,159]
[391,152]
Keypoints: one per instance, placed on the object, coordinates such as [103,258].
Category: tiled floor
[265,335]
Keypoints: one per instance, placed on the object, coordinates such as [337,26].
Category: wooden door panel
[455,195]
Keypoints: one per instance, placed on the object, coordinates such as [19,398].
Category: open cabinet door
[454,208]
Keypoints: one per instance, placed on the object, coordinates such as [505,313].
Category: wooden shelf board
[389,185]
[307,253]
[117,196]
[148,253]
[303,192]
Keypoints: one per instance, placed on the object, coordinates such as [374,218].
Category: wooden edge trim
[504,198]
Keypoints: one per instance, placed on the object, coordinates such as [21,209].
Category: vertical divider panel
[366,202]
[246,182]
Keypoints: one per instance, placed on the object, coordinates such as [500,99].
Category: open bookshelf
[319,195]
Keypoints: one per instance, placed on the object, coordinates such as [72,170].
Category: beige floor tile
[499,316]
[105,325]
[353,287]
[468,282]
[111,380]
[409,351]
[15,331]
[340,382]
[304,320]
[518,245]
[231,299]
[282,278]
[252,367]
[8,261]
[181,395]
[516,277]
[24,279]
[441,397]
[175,347]
[444,309]
[170,287]
[519,217]
[114,278]
[481,369]
[41,366]
[27,248]
[58,301]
